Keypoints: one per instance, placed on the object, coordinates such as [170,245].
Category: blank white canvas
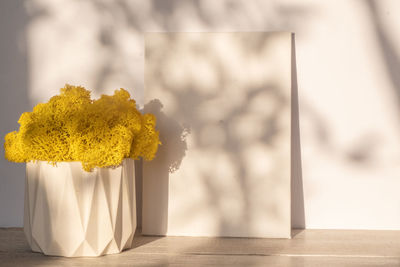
[223,106]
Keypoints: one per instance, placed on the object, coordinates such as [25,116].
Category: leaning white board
[223,106]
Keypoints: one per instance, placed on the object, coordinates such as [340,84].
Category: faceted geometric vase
[73,213]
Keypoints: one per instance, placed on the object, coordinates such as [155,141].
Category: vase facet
[73,213]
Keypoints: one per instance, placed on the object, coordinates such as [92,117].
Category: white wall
[348,65]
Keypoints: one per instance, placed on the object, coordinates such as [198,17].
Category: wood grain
[307,248]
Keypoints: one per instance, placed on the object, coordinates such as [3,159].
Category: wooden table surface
[307,248]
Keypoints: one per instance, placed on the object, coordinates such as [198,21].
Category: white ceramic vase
[73,213]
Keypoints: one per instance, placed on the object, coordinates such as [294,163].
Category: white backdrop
[348,65]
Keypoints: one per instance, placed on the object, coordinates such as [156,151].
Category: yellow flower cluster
[73,127]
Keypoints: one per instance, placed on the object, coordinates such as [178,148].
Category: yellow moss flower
[73,127]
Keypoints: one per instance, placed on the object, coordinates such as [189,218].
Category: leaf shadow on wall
[389,54]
